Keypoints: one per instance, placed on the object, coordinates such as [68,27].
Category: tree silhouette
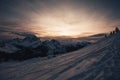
[105,36]
[117,30]
[113,32]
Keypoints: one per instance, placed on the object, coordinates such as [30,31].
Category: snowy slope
[100,61]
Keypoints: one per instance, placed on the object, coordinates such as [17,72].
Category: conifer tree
[117,29]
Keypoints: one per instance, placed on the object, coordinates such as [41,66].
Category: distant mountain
[98,35]
[12,45]
[31,46]
[29,41]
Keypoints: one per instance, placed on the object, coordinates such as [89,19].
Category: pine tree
[113,32]
[117,30]
[105,36]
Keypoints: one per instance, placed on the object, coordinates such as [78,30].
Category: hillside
[99,61]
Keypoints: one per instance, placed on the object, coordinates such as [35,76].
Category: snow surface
[94,62]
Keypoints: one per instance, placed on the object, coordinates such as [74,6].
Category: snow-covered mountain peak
[30,38]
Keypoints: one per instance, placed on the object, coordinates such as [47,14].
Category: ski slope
[99,61]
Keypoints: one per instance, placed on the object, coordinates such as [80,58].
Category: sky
[50,18]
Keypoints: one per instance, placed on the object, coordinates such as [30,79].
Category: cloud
[42,17]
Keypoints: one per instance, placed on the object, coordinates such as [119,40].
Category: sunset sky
[72,18]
